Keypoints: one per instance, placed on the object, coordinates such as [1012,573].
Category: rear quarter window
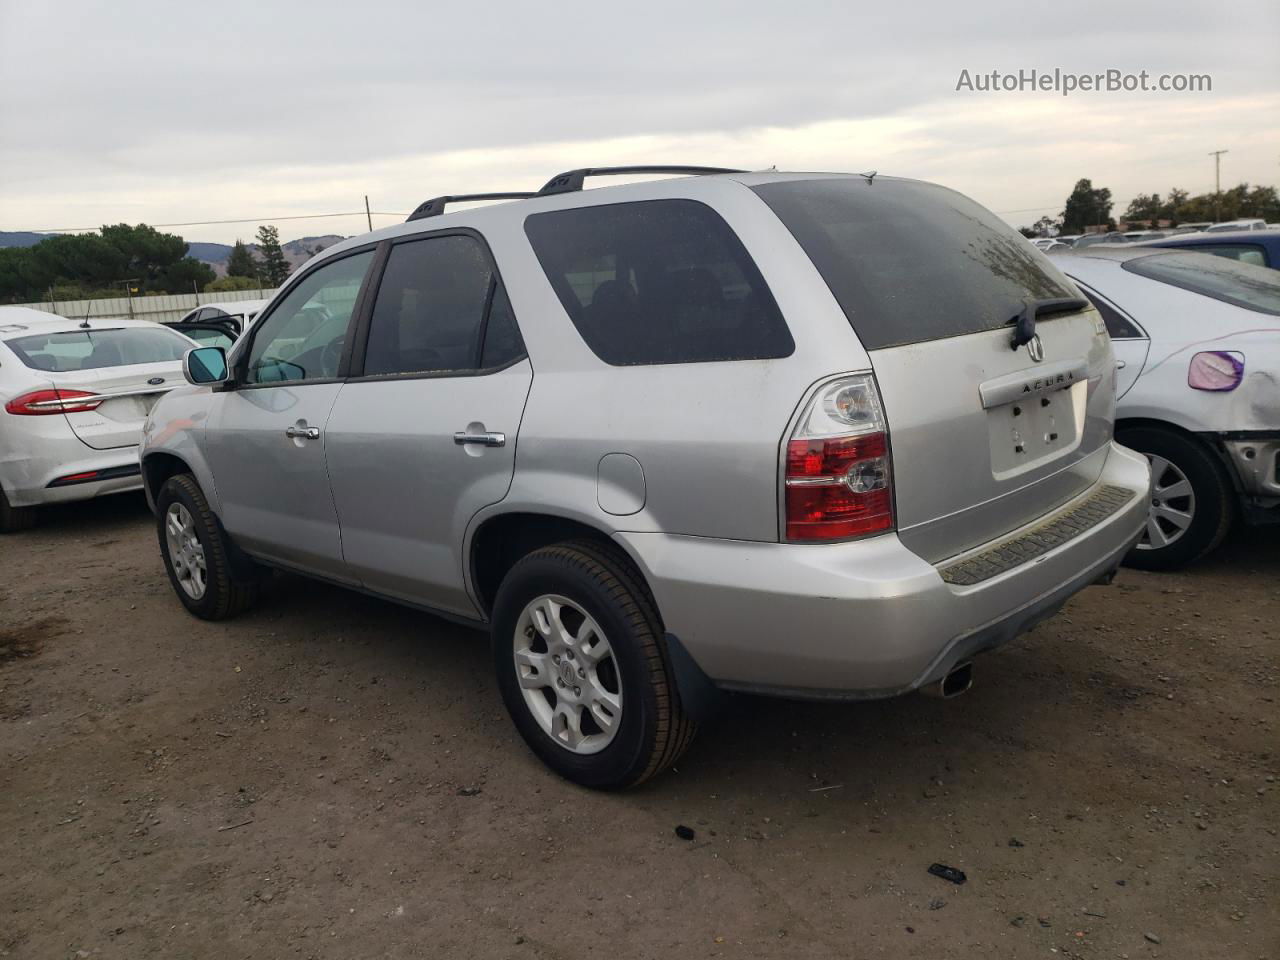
[910,261]
[658,281]
[1231,281]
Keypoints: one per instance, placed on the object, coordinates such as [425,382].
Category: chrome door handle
[484,439]
[302,433]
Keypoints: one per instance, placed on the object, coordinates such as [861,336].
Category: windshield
[1242,284]
[96,349]
[910,261]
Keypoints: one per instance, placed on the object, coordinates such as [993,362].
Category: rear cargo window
[910,261]
[658,281]
[96,349]
[1241,284]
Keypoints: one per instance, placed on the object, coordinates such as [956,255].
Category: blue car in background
[1259,247]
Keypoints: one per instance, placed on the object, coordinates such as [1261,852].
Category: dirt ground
[288,784]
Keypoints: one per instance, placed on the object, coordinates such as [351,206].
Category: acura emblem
[1035,347]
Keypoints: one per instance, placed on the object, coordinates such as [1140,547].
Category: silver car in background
[807,435]
[73,396]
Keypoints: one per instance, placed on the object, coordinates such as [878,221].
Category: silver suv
[806,435]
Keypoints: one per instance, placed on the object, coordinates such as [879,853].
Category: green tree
[229,284]
[148,253]
[241,263]
[186,274]
[1086,207]
[1145,206]
[275,268]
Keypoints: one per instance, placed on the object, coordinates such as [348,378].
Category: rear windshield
[1243,284]
[95,349]
[910,261]
[658,281]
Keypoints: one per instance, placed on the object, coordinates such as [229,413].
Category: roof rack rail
[571,180]
[435,206]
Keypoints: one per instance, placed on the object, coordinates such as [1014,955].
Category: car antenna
[870,176]
[84,324]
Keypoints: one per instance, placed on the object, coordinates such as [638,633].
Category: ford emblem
[156,381]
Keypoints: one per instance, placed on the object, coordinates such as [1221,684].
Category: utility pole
[1217,182]
[128,291]
[368,216]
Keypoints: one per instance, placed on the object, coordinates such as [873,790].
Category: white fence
[170,306]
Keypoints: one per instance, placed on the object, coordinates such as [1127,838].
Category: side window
[431,308]
[502,341]
[658,281]
[1244,252]
[302,338]
[1118,325]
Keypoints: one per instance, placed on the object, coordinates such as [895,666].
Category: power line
[208,223]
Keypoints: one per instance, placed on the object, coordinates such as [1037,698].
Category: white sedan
[1197,344]
[73,397]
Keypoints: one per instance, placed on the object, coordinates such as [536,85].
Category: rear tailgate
[985,438]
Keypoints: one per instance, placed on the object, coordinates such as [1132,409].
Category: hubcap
[568,674]
[185,552]
[1173,505]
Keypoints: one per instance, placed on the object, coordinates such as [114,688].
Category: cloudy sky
[180,111]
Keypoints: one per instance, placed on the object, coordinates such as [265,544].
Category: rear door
[985,437]
[129,366]
[1128,340]
[423,434]
[266,441]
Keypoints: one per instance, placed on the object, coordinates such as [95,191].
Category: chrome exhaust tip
[958,681]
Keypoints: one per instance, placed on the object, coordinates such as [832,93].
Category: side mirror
[205,365]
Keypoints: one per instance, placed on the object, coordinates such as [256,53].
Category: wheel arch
[500,540]
[158,467]
[1205,441]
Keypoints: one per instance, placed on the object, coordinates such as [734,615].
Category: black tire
[232,581]
[654,730]
[13,519]
[1214,507]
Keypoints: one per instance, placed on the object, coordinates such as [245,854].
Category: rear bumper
[27,471]
[870,618]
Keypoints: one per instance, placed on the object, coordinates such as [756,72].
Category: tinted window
[502,342]
[1241,284]
[96,349]
[430,312]
[659,281]
[910,261]
[1244,252]
[1118,324]
[302,339]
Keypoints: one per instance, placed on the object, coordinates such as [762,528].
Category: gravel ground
[333,776]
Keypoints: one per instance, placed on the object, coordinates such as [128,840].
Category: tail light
[837,478]
[42,402]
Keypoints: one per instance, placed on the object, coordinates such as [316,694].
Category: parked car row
[818,436]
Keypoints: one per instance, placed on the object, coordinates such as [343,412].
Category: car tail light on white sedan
[837,478]
[40,403]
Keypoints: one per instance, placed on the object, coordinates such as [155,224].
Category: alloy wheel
[568,674]
[1173,505]
[186,554]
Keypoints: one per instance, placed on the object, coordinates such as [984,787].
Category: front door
[423,434]
[267,440]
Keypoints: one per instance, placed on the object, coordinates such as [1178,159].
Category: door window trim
[359,343]
[244,345]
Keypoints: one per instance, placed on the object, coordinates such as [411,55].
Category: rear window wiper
[1025,320]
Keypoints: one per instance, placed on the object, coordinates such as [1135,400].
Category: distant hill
[21,238]
[297,252]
